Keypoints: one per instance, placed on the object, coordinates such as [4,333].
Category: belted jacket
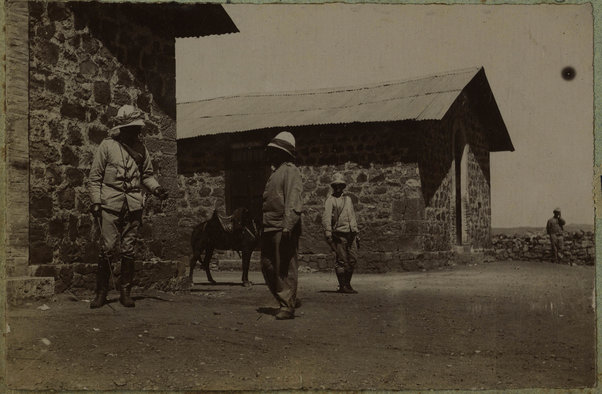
[339,215]
[115,179]
[282,203]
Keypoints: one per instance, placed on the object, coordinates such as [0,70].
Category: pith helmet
[338,179]
[128,115]
[284,141]
[556,210]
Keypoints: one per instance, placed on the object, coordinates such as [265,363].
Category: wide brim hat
[284,141]
[128,115]
[338,179]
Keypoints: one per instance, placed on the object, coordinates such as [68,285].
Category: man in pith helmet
[121,166]
[555,229]
[341,232]
[282,206]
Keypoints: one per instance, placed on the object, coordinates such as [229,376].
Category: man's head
[557,212]
[129,121]
[338,184]
[281,148]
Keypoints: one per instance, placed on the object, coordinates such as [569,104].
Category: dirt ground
[497,325]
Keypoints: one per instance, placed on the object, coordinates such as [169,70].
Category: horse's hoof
[247,283]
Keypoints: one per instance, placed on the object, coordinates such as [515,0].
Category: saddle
[226,222]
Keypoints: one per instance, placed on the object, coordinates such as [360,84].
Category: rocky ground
[497,325]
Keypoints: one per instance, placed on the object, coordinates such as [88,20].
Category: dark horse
[239,232]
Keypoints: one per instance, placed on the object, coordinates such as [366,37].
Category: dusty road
[496,325]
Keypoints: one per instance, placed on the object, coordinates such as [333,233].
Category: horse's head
[240,218]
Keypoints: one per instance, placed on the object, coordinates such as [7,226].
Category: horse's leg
[193,260]
[246,261]
[207,264]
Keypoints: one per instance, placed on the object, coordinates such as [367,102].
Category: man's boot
[342,281]
[102,283]
[125,282]
[348,276]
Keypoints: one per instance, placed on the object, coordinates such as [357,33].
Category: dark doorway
[245,179]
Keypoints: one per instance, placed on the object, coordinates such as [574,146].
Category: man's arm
[147,176]
[97,172]
[327,217]
[293,186]
[352,219]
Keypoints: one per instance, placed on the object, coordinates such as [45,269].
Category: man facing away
[554,228]
[120,167]
[282,206]
[341,232]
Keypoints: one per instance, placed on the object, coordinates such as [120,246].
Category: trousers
[279,266]
[122,226]
[557,241]
[345,250]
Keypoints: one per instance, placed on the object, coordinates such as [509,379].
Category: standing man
[121,166]
[282,206]
[340,229]
[555,229]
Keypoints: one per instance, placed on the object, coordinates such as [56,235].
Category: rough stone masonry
[83,66]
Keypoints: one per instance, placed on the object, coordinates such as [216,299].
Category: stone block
[41,206]
[68,156]
[102,92]
[96,134]
[57,11]
[66,198]
[74,176]
[56,85]
[88,69]
[43,151]
[73,110]
[20,289]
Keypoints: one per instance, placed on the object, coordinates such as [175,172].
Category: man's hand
[161,193]
[96,210]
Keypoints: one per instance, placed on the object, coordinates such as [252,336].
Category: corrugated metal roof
[420,99]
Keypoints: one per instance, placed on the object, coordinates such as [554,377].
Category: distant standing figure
[555,230]
[282,206]
[340,229]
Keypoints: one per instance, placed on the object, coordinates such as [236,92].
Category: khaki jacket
[555,226]
[339,215]
[282,203]
[115,179]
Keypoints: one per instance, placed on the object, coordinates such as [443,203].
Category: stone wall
[385,165]
[478,202]
[579,247]
[84,64]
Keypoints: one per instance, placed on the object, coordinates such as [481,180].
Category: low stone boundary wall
[77,277]
[579,247]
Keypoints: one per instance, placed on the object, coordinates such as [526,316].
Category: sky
[523,49]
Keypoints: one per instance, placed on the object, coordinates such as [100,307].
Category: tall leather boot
[125,282]
[102,282]
[342,281]
[348,275]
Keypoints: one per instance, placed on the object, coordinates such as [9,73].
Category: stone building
[69,68]
[416,155]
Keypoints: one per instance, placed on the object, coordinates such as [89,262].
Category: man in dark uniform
[282,206]
[120,167]
[555,230]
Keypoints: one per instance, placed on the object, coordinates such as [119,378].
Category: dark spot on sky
[568,73]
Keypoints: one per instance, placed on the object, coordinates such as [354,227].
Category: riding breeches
[122,226]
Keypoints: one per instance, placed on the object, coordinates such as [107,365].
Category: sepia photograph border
[596,165]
